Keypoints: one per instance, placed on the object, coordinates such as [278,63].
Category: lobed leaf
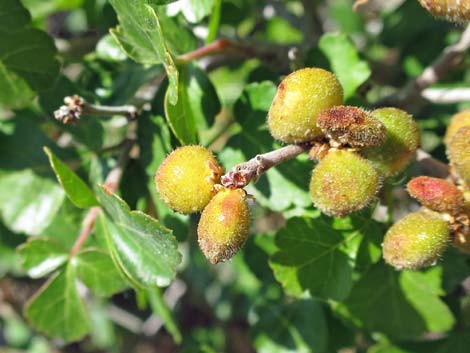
[75,188]
[57,309]
[97,271]
[145,251]
[41,256]
[408,300]
[140,36]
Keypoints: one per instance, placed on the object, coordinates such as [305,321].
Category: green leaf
[195,10]
[345,62]
[197,106]
[75,188]
[160,2]
[41,256]
[14,91]
[57,309]
[318,254]
[310,259]
[140,36]
[144,250]
[295,327]
[408,300]
[108,49]
[281,187]
[214,21]
[28,52]
[97,271]
[161,309]
[28,203]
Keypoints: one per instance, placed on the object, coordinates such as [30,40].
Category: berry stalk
[241,174]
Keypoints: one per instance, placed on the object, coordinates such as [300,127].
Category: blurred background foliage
[265,299]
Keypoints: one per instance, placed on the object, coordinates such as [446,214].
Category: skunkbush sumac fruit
[351,126]
[453,10]
[300,97]
[186,178]
[437,194]
[458,120]
[416,241]
[343,182]
[458,151]
[400,145]
[224,224]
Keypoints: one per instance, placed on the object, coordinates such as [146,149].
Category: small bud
[186,178]
[300,97]
[224,223]
[400,145]
[416,241]
[343,182]
[452,10]
[437,194]
[458,120]
[351,126]
[458,151]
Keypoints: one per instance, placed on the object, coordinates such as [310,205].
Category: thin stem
[77,106]
[216,47]
[129,111]
[241,174]
[227,50]
[112,183]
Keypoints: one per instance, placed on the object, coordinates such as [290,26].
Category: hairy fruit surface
[343,182]
[416,241]
[453,10]
[437,194]
[458,151]
[459,120]
[300,97]
[351,126]
[186,178]
[223,227]
[400,145]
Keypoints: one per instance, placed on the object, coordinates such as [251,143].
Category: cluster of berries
[188,181]
[453,10]
[356,149]
[420,238]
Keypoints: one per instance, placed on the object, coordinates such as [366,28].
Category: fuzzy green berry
[343,182]
[416,241]
[223,227]
[458,120]
[458,151]
[351,126]
[437,194]
[401,142]
[452,10]
[186,178]
[300,97]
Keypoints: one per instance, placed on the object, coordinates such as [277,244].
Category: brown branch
[77,106]
[447,61]
[112,183]
[241,174]
[227,50]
